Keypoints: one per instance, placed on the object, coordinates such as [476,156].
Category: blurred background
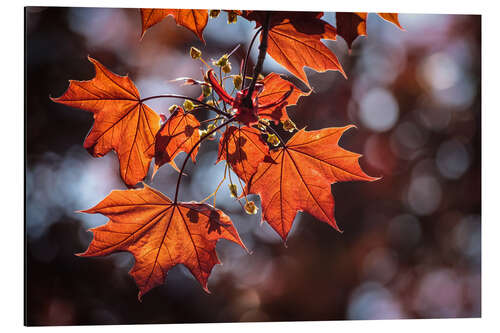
[411,246]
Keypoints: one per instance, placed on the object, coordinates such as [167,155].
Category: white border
[13,167]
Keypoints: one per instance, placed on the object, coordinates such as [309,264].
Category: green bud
[227,68]
[237,81]
[188,105]
[250,208]
[273,139]
[232,17]
[234,190]
[289,125]
[222,61]
[173,108]
[206,90]
[214,13]
[195,53]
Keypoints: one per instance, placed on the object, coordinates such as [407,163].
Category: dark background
[411,246]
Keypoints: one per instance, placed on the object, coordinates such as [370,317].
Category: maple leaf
[274,88]
[160,234]
[294,41]
[121,121]
[193,19]
[178,133]
[391,17]
[299,176]
[244,149]
[352,25]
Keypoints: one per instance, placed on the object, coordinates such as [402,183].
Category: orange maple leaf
[121,121]
[274,88]
[352,25]
[193,19]
[294,41]
[178,133]
[299,176]
[244,149]
[391,17]
[160,234]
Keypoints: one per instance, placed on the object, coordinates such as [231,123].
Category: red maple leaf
[178,133]
[298,178]
[160,234]
[294,41]
[121,121]
[352,25]
[244,149]
[193,19]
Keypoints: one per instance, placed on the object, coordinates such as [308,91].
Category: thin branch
[192,150]
[260,59]
[210,107]
[244,74]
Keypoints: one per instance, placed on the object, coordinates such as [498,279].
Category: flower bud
[210,128]
[222,61]
[232,17]
[214,13]
[173,108]
[273,139]
[227,68]
[188,105]
[289,125]
[250,208]
[233,189]
[237,81]
[195,53]
[206,90]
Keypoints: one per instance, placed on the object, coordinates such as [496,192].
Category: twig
[260,60]
[192,150]
[244,74]
[210,107]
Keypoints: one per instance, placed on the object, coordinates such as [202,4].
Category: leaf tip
[92,60]
[205,288]
[341,70]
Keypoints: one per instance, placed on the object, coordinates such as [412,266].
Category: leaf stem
[210,107]
[260,59]
[244,74]
[192,150]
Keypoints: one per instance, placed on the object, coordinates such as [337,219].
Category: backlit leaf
[391,17]
[352,25]
[274,88]
[121,121]
[294,41]
[178,133]
[160,234]
[243,149]
[193,19]
[298,178]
